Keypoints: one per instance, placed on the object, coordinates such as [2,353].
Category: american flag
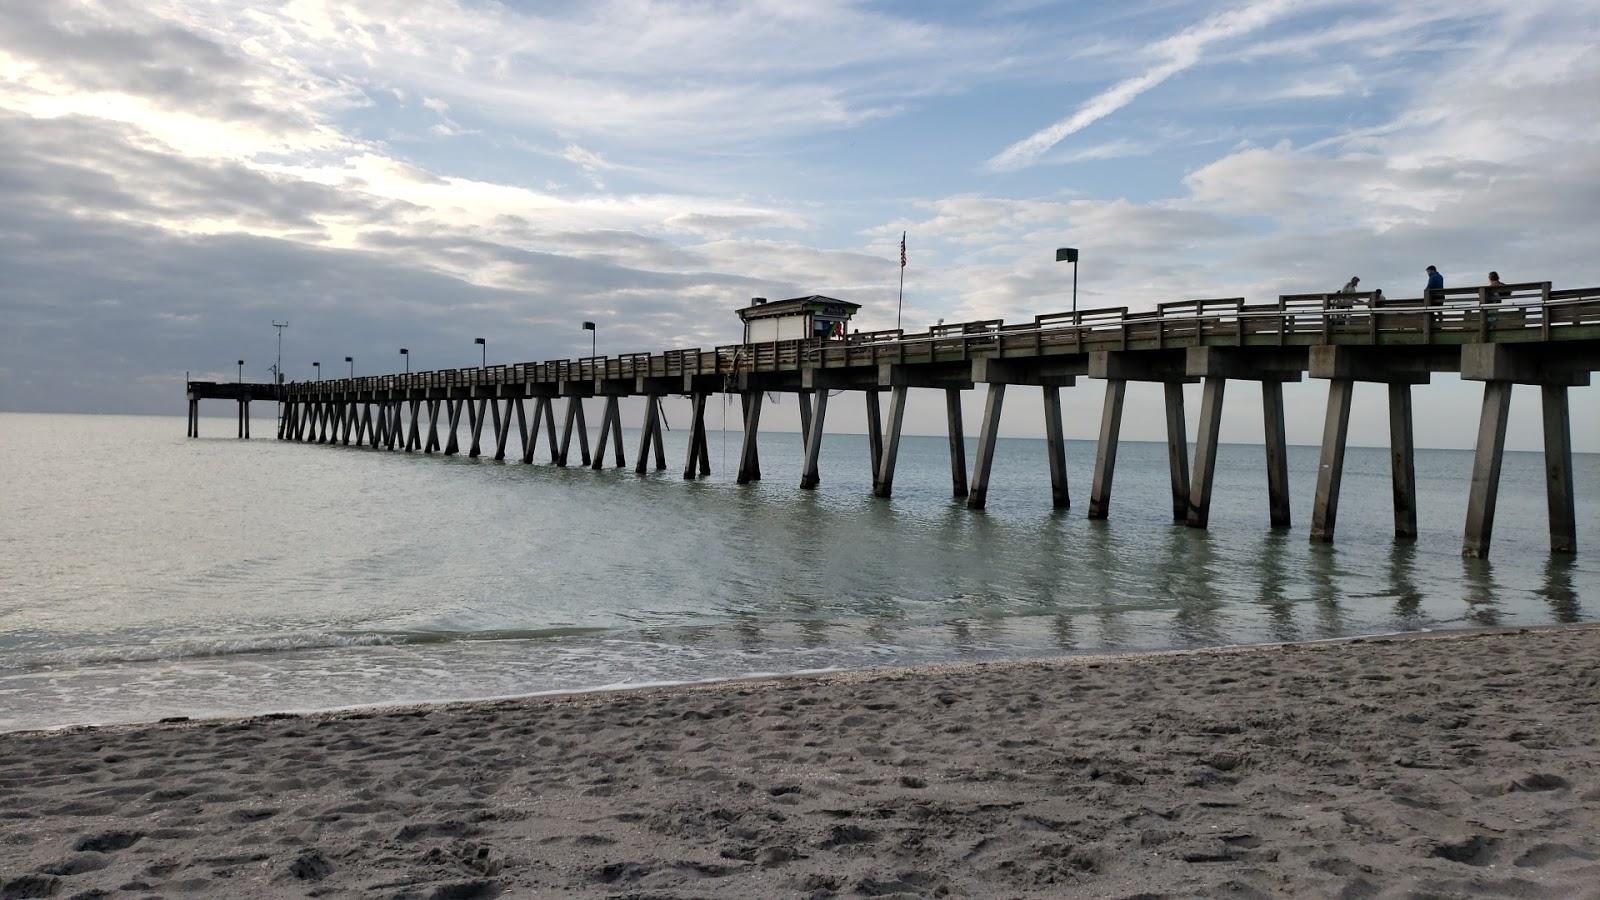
[902,249]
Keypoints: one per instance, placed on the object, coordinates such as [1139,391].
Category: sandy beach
[1448,765]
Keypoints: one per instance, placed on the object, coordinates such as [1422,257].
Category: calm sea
[144,575]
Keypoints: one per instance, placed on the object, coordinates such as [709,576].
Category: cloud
[1175,54]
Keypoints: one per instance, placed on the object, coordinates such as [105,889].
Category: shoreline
[762,677]
[1443,763]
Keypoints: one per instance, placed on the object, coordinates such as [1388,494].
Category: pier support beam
[453,407]
[433,427]
[1055,447]
[1486,461]
[804,398]
[502,427]
[809,475]
[1330,468]
[610,425]
[697,459]
[192,425]
[1177,449]
[527,437]
[874,432]
[1402,465]
[988,433]
[1558,469]
[1277,447]
[1205,452]
[958,442]
[1553,369]
[749,449]
[1105,456]
[476,449]
[650,436]
[574,423]
[883,483]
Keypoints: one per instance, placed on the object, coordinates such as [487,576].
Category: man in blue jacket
[1435,280]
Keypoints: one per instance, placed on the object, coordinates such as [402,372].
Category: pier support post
[649,437]
[604,441]
[476,449]
[379,432]
[697,436]
[1277,453]
[1558,469]
[1105,456]
[1055,447]
[414,431]
[1402,465]
[238,416]
[453,444]
[549,406]
[1177,449]
[656,439]
[1205,452]
[883,484]
[189,429]
[749,450]
[805,419]
[433,427]
[1486,461]
[874,431]
[502,427]
[810,477]
[988,433]
[527,437]
[1330,468]
[958,442]
[574,423]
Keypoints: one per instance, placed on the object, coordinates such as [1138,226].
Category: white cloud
[1175,54]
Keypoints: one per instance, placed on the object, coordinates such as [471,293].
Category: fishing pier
[1513,334]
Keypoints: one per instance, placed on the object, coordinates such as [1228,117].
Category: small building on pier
[797,318]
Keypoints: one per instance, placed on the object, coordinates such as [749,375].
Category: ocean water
[144,575]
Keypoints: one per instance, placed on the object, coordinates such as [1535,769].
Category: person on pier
[1435,283]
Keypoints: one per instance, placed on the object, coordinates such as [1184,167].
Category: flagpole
[900,302]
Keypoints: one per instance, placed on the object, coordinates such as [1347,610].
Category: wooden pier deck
[1519,334]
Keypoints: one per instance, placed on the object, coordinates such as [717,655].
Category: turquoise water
[144,575]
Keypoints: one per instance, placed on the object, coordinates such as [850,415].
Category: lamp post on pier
[407,354]
[594,338]
[318,367]
[1070,254]
[483,360]
[352,361]
[241,371]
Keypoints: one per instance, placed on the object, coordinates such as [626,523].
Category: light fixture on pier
[594,339]
[241,371]
[1070,254]
[484,359]
[407,354]
[352,361]
[318,367]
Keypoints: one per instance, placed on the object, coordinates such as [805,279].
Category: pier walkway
[1517,334]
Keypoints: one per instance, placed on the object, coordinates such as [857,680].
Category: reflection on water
[1558,589]
[145,574]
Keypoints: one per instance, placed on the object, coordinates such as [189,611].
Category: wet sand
[1453,765]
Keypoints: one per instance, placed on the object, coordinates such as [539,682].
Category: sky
[388,173]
